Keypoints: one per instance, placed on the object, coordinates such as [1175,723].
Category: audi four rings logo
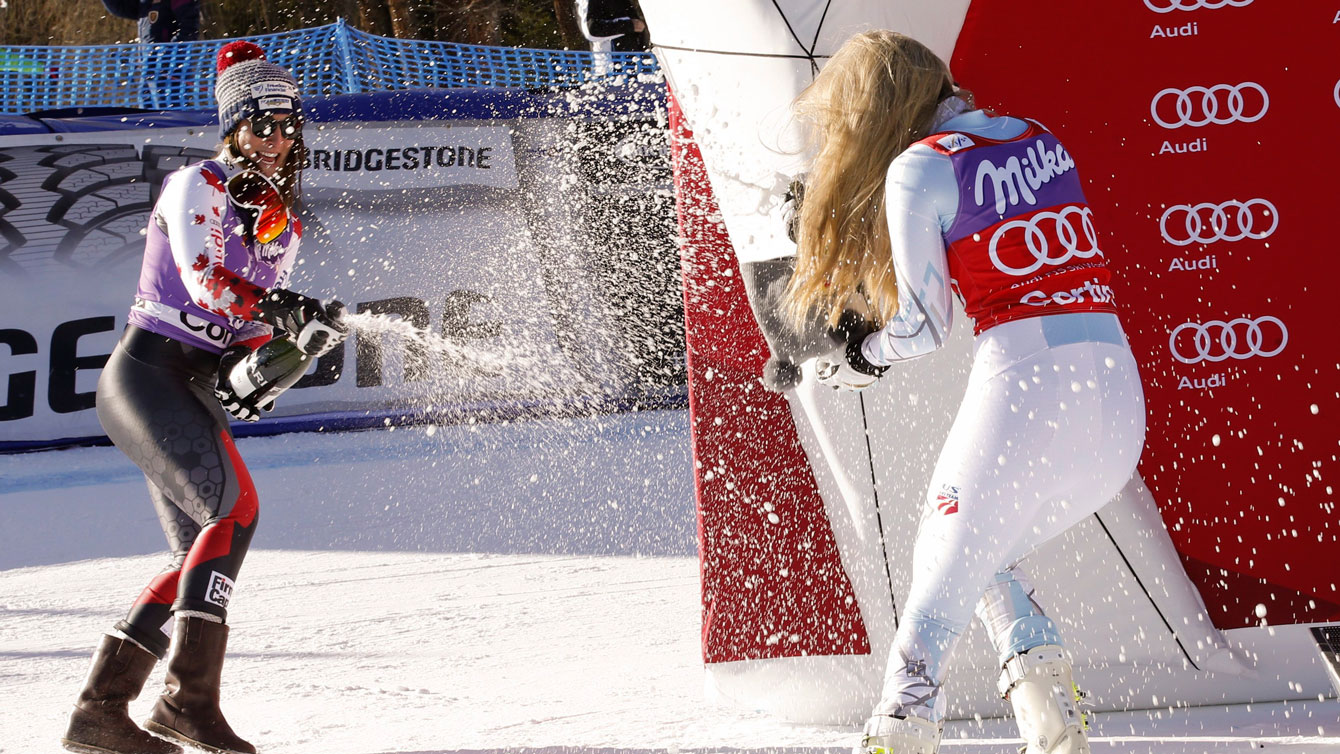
[1336,93]
[1241,338]
[1168,6]
[1220,104]
[1230,221]
[1039,243]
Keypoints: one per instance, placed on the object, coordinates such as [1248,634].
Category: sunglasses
[261,203]
[265,124]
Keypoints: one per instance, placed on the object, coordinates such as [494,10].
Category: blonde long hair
[875,98]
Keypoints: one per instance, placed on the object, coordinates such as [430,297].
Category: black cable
[1113,540]
[787,21]
[817,29]
[879,521]
[810,58]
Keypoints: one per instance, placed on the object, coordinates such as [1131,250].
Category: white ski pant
[1050,429]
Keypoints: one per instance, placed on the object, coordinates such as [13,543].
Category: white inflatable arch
[807,519]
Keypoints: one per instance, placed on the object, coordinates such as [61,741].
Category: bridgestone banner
[537,250]
[370,159]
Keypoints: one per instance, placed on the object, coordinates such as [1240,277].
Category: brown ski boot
[101,721]
[188,710]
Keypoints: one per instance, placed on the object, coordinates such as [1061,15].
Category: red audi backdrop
[1206,132]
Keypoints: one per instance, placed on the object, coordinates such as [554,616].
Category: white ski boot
[1040,687]
[899,735]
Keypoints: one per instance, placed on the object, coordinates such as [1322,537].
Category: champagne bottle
[269,371]
[277,365]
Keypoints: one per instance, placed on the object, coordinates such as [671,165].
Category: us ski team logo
[947,501]
[954,142]
[220,589]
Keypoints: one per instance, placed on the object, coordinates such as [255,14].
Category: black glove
[781,374]
[315,328]
[287,310]
[239,407]
[791,204]
[845,367]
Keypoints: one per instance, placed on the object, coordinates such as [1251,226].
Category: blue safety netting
[326,60]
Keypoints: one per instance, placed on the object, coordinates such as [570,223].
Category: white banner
[505,262]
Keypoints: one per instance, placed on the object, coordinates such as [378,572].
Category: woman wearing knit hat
[222,241]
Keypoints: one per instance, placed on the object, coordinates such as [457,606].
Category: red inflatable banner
[773,583]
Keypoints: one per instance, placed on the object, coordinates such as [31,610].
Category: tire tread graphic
[79,205]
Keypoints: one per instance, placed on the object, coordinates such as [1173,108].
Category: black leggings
[156,402]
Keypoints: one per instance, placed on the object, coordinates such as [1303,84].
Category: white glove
[239,408]
[320,335]
[845,368]
[795,196]
[833,371]
[315,328]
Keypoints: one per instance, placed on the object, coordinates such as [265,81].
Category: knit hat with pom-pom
[248,85]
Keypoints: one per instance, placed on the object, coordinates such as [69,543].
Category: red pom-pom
[236,52]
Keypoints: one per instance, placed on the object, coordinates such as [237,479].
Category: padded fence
[326,60]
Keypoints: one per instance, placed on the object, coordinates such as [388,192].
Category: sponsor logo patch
[955,142]
[273,89]
[947,501]
[270,253]
[275,103]
[1091,291]
[1019,177]
[200,328]
[220,590]
[1071,229]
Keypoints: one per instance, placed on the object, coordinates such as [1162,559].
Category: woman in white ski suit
[915,196]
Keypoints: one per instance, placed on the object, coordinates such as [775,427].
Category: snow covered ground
[527,587]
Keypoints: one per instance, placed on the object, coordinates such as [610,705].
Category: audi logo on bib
[1220,104]
[1168,6]
[1228,221]
[1241,338]
[1050,238]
